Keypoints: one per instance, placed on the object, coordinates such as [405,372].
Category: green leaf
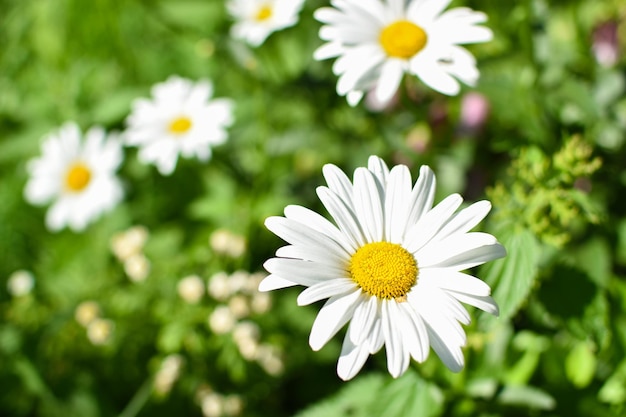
[580,364]
[614,389]
[409,396]
[526,396]
[355,398]
[514,276]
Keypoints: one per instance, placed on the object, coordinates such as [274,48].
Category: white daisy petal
[300,234]
[326,289]
[461,252]
[414,332]
[302,272]
[390,77]
[465,220]
[390,267]
[397,354]
[341,212]
[485,303]
[363,320]
[422,196]
[396,203]
[450,354]
[338,182]
[351,359]
[335,313]
[456,281]
[274,282]
[367,204]
[430,223]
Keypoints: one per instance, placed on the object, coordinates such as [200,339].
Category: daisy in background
[390,265]
[76,175]
[377,41]
[180,119]
[257,19]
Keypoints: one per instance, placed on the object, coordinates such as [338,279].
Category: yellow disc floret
[402,39]
[384,270]
[77,177]
[264,13]
[180,125]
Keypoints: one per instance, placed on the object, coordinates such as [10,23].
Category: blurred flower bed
[144,143]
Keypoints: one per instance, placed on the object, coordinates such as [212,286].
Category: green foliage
[102,335]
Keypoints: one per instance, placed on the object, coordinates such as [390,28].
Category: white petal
[326,289]
[363,320]
[460,252]
[433,75]
[453,280]
[396,203]
[351,359]
[379,168]
[302,272]
[342,213]
[300,234]
[414,332]
[319,223]
[368,205]
[449,353]
[377,339]
[332,317]
[391,74]
[397,354]
[273,282]
[338,182]
[465,220]
[422,196]
[485,303]
[430,223]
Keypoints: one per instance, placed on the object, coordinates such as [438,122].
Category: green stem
[139,400]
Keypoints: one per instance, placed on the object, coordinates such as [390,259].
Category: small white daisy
[377,41]
[257,19]
[78,176]
[180,119]
[391,266]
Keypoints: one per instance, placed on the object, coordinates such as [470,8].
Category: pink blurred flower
[605,44]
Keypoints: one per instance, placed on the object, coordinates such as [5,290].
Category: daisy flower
[77,176]
[180,119]
[377,41]
[257,19]
[390,265]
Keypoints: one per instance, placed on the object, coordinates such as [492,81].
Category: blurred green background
[93,339]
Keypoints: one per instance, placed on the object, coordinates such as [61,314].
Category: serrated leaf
[355,398]
[580,365]
[513,277]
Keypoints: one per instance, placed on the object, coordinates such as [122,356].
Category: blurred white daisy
[180,119]
[377,41]
[77,176]
[390,266]
[257,19]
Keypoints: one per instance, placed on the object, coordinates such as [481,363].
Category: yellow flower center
[402,39]
[77,177]
[180,125]
[264,13]
[384,270]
